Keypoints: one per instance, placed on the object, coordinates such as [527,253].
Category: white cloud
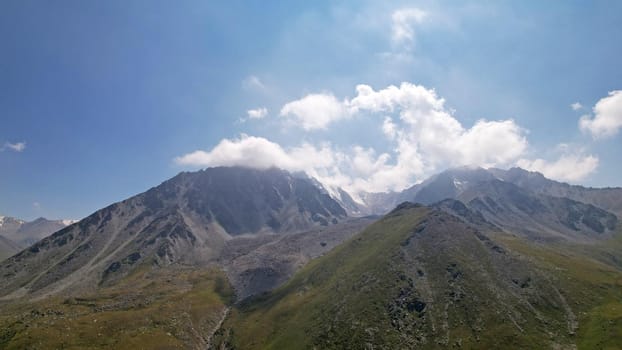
[255,152]
[315,111]
[403,22]
[429,130]
[356,170]
[258,113]
[321,162]
[424,137]
[16,147]
[569,167]
[389,128]
[252,82]
[490,143]
[258,152]
[607,118]
[576,106]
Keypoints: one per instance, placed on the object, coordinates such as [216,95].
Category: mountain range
[234,257]
[455,182]
[16,234]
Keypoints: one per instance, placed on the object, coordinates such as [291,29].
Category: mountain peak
[186,219]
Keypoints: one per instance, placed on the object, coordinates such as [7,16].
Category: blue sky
[100,100]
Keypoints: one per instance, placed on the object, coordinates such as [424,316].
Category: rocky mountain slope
[154,270]
[538,216]
[258,264]
[452,183]
[609,199]
[185,220]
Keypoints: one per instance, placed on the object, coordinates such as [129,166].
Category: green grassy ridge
[291,317]
[340,300]
[589,280]
[150,309]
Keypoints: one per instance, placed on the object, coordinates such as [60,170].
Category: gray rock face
[536,215]
[609,198]
[185,220]
[256,265]
[515,199]
[448,184]
[248,201]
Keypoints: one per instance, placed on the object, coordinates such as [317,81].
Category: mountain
[9,225]
[244,258]
[493,262]
[423,278]
[522,202]
[535,215]
[185,220]
[452,183]
[448,184]
[8,248]
[162,269]
[26,233]
[609,199]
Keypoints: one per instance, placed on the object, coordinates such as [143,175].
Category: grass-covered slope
[151,309]
[421,278]
[591,279]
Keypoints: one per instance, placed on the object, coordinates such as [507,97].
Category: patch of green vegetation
[591,282]
[602,328]
[362,295]
[171,308]
[347,281]
[356,296]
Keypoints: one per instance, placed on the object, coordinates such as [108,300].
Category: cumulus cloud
[427,128]
[251,151]
[607,117]
[16,147]
[403,23]
[261,153]
[321,162]
[258,113]
[315,111]
[576,106]
[568,167]
[423,133]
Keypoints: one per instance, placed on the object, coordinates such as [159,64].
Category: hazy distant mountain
[608,198]
[452,183]
[186,219]
[448,184]
[8,248]
[9,225]
[26,233]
